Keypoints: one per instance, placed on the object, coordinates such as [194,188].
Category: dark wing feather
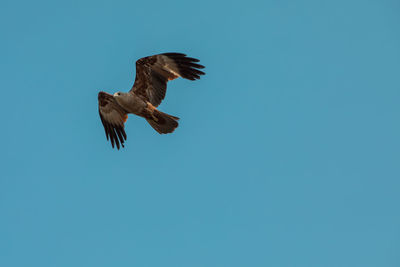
[153,73]
[113,118]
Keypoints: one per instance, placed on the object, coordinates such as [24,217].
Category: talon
[151,109]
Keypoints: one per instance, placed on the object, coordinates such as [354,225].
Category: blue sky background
[287,153]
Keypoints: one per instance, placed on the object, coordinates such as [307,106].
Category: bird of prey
[152,75]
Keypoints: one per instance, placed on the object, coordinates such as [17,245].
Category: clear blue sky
[287,153]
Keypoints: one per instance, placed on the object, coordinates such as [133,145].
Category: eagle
[147,92]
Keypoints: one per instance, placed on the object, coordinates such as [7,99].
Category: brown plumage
[149,89]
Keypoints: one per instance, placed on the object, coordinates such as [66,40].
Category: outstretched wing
[113,118]
[153,73]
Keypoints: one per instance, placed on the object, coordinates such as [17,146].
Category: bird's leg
[151,109]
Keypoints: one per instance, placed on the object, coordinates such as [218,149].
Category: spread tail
[162,122]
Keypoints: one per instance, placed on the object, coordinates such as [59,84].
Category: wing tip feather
[187,66]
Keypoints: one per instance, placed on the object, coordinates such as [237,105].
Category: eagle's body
[131,103]
[152,75]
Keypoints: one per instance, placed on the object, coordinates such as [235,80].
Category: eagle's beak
[115,94]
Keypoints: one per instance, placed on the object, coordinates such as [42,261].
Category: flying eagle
[152,75]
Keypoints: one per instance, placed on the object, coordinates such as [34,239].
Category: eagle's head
[117,94]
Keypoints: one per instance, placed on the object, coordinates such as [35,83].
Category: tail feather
[164,123]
